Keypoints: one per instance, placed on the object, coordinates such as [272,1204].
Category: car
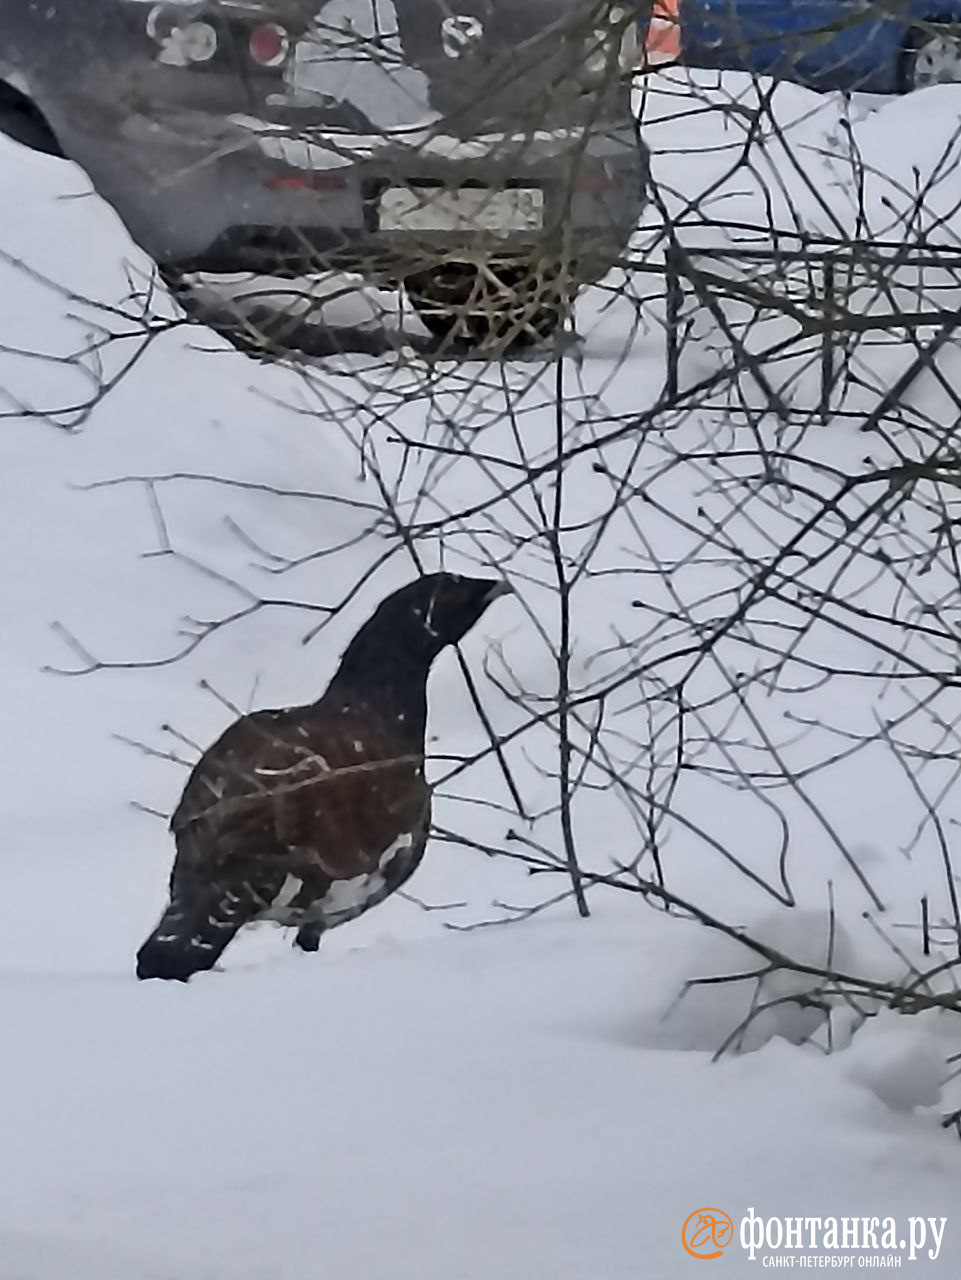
[850,45]
[482,154]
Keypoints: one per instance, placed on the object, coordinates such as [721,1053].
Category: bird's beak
[499,589]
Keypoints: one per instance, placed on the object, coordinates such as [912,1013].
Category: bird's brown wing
[301,789]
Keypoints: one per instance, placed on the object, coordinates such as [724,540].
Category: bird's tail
[190,937]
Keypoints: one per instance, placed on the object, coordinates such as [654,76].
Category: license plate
[466,209]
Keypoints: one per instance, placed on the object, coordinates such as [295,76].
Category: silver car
[481,153]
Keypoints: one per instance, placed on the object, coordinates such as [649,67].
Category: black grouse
[311,815]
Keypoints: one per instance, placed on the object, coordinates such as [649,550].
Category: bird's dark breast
[316,817]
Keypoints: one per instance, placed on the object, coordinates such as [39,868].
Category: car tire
[932,55]
[21,120]
[490,304]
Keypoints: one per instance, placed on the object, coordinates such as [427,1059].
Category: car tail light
[592,183]
[159,23]
[603,59]
[181,43]
[598,60]
[197,41]
[630,50]
[313,181]
[269,45]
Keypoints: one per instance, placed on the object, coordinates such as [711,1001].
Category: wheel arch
[22,120]
[914,38]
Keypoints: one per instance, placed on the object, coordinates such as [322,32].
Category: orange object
[707,1233]
[663,40]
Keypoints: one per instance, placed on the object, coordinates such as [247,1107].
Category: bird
[310,815]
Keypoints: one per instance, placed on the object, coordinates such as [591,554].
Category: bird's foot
[308,937]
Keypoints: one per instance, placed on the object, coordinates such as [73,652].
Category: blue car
[876,46]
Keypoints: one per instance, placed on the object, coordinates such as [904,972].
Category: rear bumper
[318,200]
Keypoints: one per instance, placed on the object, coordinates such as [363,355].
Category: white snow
[413,1102]
[747,1011]
[900,1060]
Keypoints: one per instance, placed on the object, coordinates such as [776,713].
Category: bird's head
[388,659]
[437,610]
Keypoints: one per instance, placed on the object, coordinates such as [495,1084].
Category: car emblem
[459,33]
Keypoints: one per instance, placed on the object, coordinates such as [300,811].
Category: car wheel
[488,304]
[21,120]
[933,56]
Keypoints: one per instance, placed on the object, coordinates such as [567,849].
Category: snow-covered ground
[413,1101]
